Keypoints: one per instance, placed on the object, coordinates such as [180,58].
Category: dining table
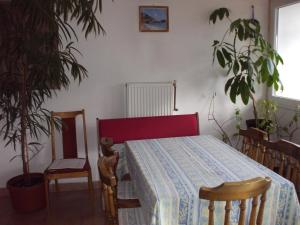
[168,173]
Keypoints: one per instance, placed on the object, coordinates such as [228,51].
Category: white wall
[124,54]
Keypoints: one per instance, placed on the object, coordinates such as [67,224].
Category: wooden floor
[67,208]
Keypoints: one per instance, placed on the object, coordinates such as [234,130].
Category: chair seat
[132,216]
[86,167]
[126,190]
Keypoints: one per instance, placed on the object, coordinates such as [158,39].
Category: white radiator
[150,99]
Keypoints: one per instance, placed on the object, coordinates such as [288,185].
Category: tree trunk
[24,146]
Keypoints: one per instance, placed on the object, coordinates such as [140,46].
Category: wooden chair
[105,144]
[238,191]
[283,157]
[117,210]
[106,149]
[252,143]
[70,153]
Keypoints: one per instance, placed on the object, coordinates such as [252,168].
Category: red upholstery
[126,129]
[69,138]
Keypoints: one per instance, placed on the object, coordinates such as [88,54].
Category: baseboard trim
[62,187]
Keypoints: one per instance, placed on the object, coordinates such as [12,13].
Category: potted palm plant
[37,58]
[247,57]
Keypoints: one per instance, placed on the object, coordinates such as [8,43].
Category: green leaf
[227,55]
[264,71]
[244,65]
[233,91]
[270,81]
[270,66]
[250,69]
[213,17]
[276,86]
[225,11]
[249,81]
[221,59]
[228,84]
[259,61]
[236,67]
[235,24]
[218,13]
[229,68]
[278,57]
[241,32]
[245,94]
[216,42]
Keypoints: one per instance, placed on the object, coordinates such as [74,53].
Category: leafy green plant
[226,137]
[273,123]
[246,56]
[38,58]
[267,110]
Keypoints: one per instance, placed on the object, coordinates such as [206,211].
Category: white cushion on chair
[126,190]
[131,216]
[76,163]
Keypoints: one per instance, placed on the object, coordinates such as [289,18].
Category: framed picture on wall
[154,18]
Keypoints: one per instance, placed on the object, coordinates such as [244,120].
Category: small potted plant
[33,61]
[267,110]
[247,58]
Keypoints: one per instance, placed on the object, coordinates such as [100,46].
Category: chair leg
[90,184]
[111,205]
[105,199]
[91,189]
[101,189]
[47,191]
[56,185]
[102,202]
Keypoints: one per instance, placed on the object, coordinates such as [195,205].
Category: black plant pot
[252,123]
[27,197]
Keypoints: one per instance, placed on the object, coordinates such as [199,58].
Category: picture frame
[154,18]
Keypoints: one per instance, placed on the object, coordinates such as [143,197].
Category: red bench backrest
[126,129]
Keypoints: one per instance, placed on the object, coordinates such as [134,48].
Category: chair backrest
[105,144]
[69,140]
[126,129]
[252,143]
[283,157]
[238,191]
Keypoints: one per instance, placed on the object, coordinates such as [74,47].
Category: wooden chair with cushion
[119,211]
[238,191]
[70,153]
[283,157]
[252,143]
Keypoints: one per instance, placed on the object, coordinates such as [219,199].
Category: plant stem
[254,109]
[24,146]
[225,135]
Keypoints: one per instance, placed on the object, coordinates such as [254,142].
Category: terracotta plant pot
[27,197]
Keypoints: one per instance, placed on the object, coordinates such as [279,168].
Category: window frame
[284,102]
